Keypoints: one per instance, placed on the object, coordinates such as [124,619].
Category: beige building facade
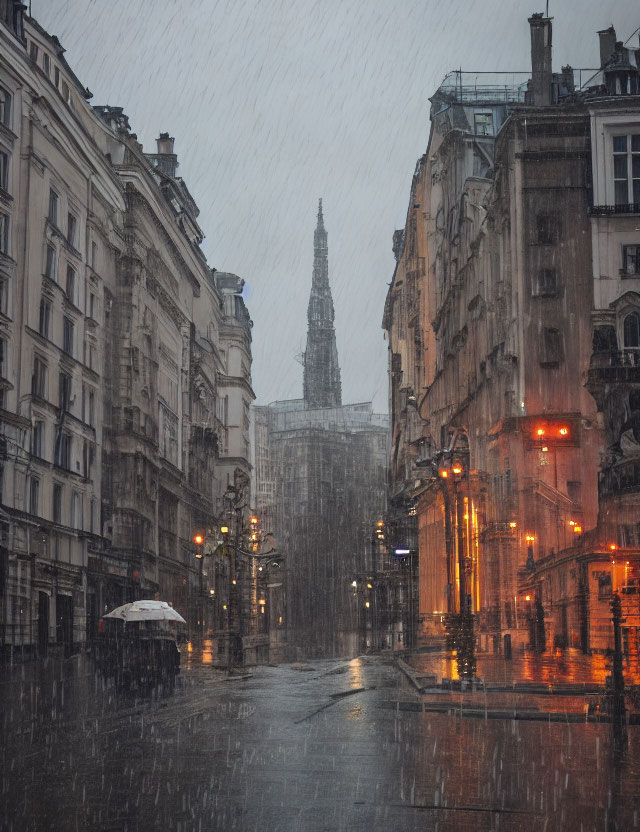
[126,361]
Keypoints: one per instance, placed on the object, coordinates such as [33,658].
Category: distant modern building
[320,471]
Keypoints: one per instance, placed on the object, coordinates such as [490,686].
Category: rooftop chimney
[165,143]
[607,44]
[541,76]
[167,161]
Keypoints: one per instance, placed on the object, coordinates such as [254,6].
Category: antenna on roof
[547,15]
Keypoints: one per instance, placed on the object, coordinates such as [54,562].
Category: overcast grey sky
[274,103]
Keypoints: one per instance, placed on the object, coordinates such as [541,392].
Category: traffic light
[198,542]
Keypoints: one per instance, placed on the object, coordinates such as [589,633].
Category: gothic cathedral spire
[322,387]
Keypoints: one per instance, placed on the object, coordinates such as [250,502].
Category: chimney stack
[541,75]
[607,44]
[167,159]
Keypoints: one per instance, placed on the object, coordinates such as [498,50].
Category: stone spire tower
[322,387]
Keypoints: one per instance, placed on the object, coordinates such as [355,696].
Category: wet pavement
[326,746]
[554,669]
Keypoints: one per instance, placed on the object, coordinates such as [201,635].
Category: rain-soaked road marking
[337,697]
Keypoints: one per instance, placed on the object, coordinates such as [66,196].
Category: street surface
[328,746]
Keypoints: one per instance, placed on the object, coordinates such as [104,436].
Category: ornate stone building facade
[125,361]
[497,436]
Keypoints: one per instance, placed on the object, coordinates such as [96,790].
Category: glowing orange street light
[198,539]
[530,538]
[379,524]
[443,473]
[512,524]
[563,431]
[527,597]
[224,529]
[457,469]
[540,431]
[253,520]
[613,546]
[577,529]
[572,522]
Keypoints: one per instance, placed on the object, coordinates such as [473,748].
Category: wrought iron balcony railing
[608,210]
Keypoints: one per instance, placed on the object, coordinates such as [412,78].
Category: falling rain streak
[235,592]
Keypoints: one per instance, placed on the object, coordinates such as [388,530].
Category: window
[630,260]
[71,284]
[3,358]
[46,64]
[76,511]
[37,438]
[4,234]
[39,378]
[92,408]
[4,170]
[56,76]
[604,585]
[90,355]
[4,295]
[63,451]
[94,255]
[34,495]
[45,317]
[53,207]
[92,516]
[51,265]
[551,348]
[626,170]
[546,283]
[632,331]
[483,123]
[72,224]
[547,228]
[64,391]
[57,503]
[93,305]
[5,107]
[67,335]
[33,52]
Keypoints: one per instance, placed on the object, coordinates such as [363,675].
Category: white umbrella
[146,611]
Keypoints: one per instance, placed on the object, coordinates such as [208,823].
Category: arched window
[632,331]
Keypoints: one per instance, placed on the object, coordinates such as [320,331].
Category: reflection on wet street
[552,667]
[298,747]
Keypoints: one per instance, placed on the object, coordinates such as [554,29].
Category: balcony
[611,210]
[624,478]
[615,366]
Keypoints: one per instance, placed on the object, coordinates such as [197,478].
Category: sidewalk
[568,690]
